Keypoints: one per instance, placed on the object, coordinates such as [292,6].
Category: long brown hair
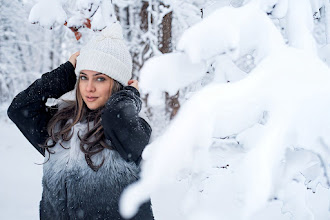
[93,141]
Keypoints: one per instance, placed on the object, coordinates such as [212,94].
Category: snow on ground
[20,177]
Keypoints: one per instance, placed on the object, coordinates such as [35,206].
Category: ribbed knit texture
[107,53]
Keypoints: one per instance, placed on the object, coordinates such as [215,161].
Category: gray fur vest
[72,190]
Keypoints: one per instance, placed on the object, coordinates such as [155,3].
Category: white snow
[52,13]
[239,37]
[48,13]
[20,176]
[287,94]
[170,73]
[299,20]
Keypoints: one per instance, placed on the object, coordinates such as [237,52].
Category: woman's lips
[91,99]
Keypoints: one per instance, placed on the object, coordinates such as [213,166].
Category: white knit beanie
[107,53]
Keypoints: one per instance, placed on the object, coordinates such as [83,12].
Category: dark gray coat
[71,189]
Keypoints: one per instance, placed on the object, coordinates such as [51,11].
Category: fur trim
[69,182]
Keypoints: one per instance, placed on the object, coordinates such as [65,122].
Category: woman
[93,145]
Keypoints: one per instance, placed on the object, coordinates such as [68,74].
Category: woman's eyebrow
[96,74]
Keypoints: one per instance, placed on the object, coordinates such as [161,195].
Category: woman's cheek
[81,84]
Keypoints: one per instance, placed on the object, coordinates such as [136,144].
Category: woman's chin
[92,106]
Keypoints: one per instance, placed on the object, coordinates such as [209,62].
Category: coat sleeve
[28,110]
[128,133]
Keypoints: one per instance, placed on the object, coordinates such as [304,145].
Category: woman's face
[94,88]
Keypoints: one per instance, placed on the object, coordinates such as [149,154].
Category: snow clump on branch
[288,85]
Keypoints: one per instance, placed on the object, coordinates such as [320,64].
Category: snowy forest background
[237,93]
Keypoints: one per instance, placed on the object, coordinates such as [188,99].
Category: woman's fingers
[134,83]
[73,58]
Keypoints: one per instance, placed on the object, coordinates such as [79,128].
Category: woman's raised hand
[134,83]
[73,58]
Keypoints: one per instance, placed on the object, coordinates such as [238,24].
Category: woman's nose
[90,86]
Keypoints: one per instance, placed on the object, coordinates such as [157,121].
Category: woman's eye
[100,79]
[82,77]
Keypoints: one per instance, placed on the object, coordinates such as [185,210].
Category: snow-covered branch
[289,84]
